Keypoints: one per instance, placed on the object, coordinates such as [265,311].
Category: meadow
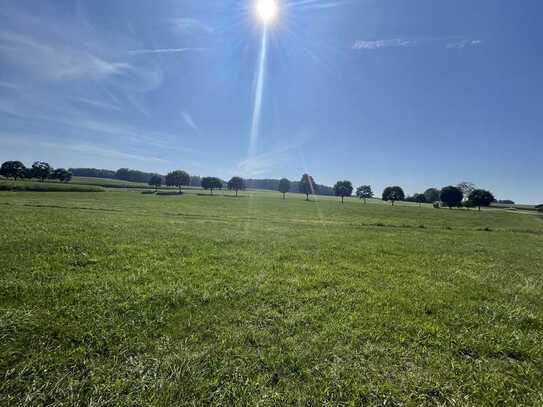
[121,298]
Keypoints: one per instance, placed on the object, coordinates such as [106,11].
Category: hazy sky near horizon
[383,92]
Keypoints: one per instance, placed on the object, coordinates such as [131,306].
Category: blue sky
[399,92]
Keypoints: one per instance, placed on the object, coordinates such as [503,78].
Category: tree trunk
[236,193]
[211,191]
[307,197]
[479,209]
[342,199]
[392,203]
[283,195]
[365,201]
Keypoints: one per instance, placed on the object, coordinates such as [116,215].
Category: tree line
[39,170]
[465,194]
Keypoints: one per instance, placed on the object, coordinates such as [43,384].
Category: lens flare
[267,10]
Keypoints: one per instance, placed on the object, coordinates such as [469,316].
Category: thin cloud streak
[55,62]
[165,50]
[451,42]
[189,120]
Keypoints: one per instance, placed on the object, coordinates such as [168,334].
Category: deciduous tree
[343,188]
[177,179]
[236,184]
[41,170]
[432,195]
[155,181]
[451,196]
[211,183]
[481,197]
[307,186]
[364,192]
[13,169]
[284,186]
[393,194]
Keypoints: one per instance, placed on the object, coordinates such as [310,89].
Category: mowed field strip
[124,298]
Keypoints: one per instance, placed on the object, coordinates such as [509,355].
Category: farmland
[124,298]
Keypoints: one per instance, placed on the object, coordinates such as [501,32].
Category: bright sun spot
[266,10]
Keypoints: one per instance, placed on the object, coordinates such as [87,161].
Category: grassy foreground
[124,299]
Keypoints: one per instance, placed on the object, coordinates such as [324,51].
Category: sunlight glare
[266,10]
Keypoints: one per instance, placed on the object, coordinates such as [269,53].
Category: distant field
[36,186]
[124,298]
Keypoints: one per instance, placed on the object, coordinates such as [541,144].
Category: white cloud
[190,25]
[189,121]
[55,62]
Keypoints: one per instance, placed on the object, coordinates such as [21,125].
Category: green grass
[123,299]
[48,186]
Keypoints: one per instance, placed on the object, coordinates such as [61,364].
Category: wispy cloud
[95,103]
[464,44]
[45,143]
[189,120]
[376,44]
[55,62]
[164,50]
[190,25]
[450,42]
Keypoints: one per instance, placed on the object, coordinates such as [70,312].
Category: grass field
[47,186]
[124,299]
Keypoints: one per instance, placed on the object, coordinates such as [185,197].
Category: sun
[267,10]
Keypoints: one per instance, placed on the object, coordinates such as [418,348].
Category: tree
[364,192]
[451,196]
[155,181]
[177,179]
[61,174]
[41,170]
[236,184]
[284,186]
[13,169]
[432,195]
[393,194]
[480,197]
[211,183]
[307,186]
[467,188]
[343,189]
[419,198]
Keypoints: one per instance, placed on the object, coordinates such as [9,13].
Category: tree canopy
[364,192]
[13,169]
[236,184]
[481,197]
[41,170]
[467,188]
[393,194]
[432,195]
[343,188]
[155,181]
[177,179]
[211,183]
[451,196]
[284,186]
[61,174]
[307,186]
